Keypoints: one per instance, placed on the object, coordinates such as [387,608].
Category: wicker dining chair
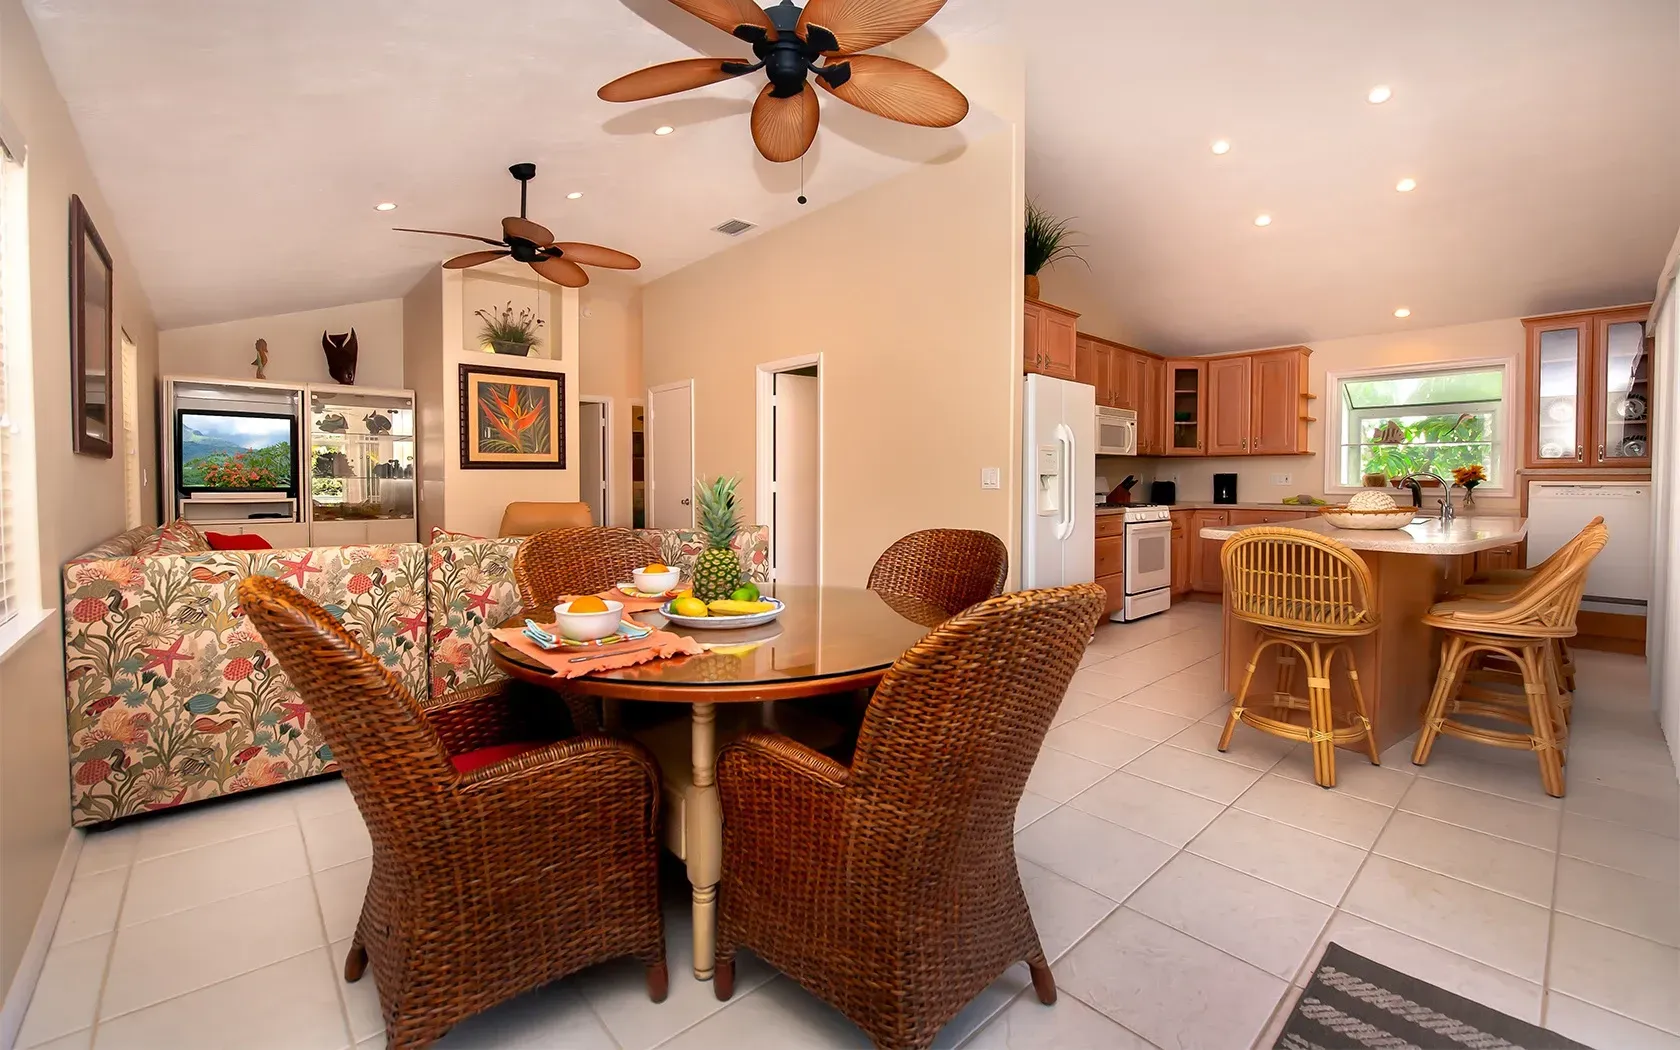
[889,888]
[948,568]
[500,863]
[1309,597]
[1522,629]
[562,562]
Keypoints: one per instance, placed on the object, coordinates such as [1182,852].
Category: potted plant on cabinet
[1046,241]
[505,332]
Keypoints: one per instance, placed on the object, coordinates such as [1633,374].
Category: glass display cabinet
[1589,391]
[360,466]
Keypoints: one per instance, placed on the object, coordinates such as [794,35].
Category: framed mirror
[91,375]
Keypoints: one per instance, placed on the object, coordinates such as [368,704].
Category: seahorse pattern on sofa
[472,590]
[172,697]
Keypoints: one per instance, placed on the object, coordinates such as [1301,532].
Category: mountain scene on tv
[235,452]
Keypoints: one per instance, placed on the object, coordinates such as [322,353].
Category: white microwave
[1116,431]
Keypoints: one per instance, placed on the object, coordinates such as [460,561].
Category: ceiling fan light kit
[797,46]
[531,243]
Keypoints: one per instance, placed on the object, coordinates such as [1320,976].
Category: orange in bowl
[589,603]
[656,567]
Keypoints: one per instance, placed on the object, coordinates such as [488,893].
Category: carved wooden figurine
[341,356]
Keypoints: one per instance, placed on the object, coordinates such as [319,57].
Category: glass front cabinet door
[1186,408]
[1589,391]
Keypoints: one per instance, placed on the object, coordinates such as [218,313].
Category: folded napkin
[573,663]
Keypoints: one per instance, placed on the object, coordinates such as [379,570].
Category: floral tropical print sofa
[173,698]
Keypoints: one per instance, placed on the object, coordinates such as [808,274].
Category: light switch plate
[991,478]
[1282,479]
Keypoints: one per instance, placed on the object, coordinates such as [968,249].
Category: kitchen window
[1400,421]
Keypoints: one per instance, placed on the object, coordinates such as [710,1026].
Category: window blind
[8,492]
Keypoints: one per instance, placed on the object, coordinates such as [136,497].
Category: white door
[796,477]
[592,464]
[670,443]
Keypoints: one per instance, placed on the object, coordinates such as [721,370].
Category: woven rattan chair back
[375,727]
[1546,605]
[1290,579]
[953,730]
[950,568]
[562,562]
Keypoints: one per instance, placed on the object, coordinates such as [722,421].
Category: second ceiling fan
[788,41]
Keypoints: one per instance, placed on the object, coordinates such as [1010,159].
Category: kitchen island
[1411,569]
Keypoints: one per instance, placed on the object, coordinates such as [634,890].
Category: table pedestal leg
[704,844]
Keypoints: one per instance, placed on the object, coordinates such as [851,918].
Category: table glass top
[824,632]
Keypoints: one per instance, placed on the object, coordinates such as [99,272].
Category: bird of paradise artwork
[512,418]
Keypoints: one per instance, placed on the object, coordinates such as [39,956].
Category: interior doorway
[133,481]
[790,466]
[638,465]
[595,457]
[670,454]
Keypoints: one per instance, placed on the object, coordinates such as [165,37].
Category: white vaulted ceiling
[243,143]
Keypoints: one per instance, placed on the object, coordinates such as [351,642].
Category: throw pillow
[443,535]
[177,537]
[226,541]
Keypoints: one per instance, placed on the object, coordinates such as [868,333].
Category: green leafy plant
[504,326]
[1437,444]
[1047,239]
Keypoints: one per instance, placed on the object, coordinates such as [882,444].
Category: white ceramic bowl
[655,582]
[588,626]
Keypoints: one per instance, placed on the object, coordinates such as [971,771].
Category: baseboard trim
[22,988]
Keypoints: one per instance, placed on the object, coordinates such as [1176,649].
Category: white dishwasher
[1619,580]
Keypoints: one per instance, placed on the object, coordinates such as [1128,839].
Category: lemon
[689,607]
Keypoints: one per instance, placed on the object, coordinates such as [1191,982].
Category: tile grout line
[1551,922]
[111,951]
[326,937]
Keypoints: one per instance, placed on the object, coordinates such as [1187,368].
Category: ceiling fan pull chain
[802,198]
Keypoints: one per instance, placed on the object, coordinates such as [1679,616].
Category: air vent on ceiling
[735,227]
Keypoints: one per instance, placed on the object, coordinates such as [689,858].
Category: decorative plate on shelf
[1631,408]
[1551,450]
[1561,410]
[1634,448]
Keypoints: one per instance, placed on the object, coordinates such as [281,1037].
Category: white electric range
[1148,534]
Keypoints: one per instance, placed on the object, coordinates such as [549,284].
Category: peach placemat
[566,663]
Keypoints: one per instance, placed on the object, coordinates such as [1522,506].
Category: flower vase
[1032,286]
[510,348]
[1469,497]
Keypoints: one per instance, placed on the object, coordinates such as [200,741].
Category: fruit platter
[743,608]
[718,599]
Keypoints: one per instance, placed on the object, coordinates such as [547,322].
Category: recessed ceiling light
[1379,94]
[1403,312]
[1406,185]
[663,129]
[1221,147]
[574,195]
[385,206]
[1262,220]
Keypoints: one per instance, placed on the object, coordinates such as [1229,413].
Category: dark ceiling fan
[529,242]
[788,41]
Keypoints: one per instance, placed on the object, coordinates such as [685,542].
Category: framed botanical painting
[91,376]
[512,418]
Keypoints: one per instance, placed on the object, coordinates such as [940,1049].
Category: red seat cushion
[225,541]
[467,761]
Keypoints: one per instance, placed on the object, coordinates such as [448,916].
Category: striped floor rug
[1353,1003]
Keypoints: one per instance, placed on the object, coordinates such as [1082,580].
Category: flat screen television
[220,451]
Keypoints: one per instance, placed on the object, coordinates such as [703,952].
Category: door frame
[766,440]
[649,467]
[607,416]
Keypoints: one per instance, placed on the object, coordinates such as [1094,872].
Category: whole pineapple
[717,571]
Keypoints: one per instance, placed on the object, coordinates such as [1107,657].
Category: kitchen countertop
[1430,537]
[1115,508]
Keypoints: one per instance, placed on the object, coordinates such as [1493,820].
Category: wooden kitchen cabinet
[1111,571]
[1152,430]
[1086,368]
[1266,517]
[1229,386]
[1113,377]
[1186,403]
[1050,343]
[1206,575]
[1279,416]
[1588,377]
[1181,552]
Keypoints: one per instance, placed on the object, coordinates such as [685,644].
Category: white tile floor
[1180,894]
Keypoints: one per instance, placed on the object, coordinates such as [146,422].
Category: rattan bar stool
[1310,597]
[1522,629]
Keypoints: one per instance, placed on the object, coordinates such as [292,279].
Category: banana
[728,607]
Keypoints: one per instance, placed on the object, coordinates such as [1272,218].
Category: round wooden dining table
[827,640]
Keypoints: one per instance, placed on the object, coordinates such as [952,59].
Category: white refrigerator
[1059,468]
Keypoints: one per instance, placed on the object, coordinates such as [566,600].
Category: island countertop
[1429,537]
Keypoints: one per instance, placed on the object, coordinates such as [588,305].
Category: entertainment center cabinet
[300,465]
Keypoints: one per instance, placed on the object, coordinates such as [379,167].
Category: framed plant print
[91,376]
[512,419]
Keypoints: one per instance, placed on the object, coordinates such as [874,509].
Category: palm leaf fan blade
[858,25]
[562,272]
[899,91]
[461,262]
[784,128]
[668,78]
[595,255]
[730,15]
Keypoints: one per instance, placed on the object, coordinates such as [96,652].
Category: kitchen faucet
[1410,480]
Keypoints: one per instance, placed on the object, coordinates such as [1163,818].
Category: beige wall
[910,291]
[423,373]
[81,498]
[294,345]
[1488,339]
[610,366]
